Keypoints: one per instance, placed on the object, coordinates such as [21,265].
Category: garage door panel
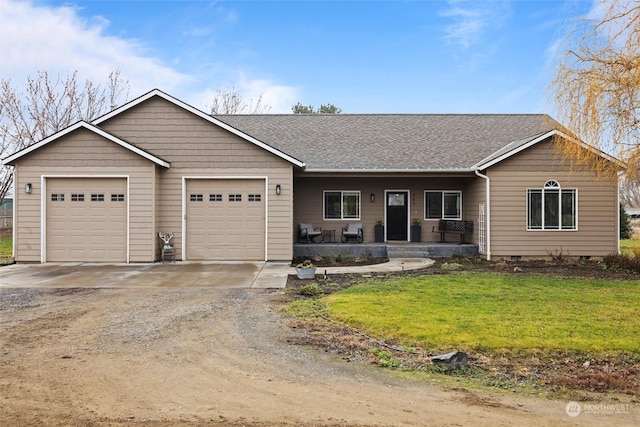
[86,224]
[227,222]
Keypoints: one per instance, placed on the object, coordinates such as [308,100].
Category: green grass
[490,312]
[6,245]
[627,245]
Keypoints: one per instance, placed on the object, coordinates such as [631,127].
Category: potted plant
[416,230]
[306,270]
[379,231]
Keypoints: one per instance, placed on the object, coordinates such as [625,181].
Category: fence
[6,218]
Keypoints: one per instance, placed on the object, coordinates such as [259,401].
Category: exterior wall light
[28,188]
[278,189]
[372,198]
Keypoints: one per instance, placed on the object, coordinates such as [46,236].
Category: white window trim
[342,192]
[552,184]
[424,205]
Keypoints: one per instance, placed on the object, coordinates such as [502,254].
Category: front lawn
[630,247]
[488,312]
[6,248]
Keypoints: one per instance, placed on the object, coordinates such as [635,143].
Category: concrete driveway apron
[180,274]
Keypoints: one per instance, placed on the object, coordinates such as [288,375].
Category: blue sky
[364,56]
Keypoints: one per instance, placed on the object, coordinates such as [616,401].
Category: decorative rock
[454,359]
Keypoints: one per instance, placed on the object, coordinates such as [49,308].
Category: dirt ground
[202,356]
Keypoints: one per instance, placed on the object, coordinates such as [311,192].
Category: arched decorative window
[552,207]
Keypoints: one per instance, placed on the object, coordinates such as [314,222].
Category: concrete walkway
[274,274]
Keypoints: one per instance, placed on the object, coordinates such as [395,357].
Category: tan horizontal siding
[597,208]
[185,140]
[83,148]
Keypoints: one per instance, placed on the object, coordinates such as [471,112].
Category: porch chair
[353,230]
[307,232]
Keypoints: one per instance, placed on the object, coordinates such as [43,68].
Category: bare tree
[597,87]
[630,193]
[232,102]
[47,106]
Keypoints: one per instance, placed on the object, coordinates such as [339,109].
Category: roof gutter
[360,171]
[488,213]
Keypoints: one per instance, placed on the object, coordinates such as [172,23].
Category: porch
[386,250]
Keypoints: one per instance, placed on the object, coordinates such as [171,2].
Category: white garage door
[225,219]
[86,219]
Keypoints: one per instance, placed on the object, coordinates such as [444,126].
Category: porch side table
[328,236]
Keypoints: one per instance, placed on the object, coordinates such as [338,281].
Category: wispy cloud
[470,20]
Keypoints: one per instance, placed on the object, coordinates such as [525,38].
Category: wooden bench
[453,226]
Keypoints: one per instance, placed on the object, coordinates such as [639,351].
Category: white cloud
[280,98]
[471,19]
[58,40]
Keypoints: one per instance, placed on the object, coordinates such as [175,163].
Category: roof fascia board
[93,129]
[484,165]
[203,115]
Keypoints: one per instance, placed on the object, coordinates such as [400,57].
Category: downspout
[620,173]
[488,214]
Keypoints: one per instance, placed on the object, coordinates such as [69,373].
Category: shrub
[311,290]
[625,224]
[451,266]
[384,358]
[624,262]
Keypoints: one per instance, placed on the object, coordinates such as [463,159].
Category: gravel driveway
[200,356]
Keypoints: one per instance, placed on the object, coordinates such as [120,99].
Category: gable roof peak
[199,113]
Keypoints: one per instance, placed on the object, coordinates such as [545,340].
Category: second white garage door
[225,219]
[86,219]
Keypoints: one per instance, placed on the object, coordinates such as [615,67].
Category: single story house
[235,187]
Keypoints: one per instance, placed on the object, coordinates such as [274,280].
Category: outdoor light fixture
[278,189]
[372,198]
[27,188]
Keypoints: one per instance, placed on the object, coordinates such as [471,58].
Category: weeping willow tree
[597,88]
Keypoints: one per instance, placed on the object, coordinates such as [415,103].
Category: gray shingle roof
[419,142]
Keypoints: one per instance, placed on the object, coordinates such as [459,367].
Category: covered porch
[386,249]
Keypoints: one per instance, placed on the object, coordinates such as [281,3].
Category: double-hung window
[341,205]
[443,205]
[552,208]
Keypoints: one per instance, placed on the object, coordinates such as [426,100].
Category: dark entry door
[397,218]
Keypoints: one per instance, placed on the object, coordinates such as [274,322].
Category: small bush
[384,358]
[311,290]
[623,262]
[451,266]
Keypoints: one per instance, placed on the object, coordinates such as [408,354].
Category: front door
[397,215]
